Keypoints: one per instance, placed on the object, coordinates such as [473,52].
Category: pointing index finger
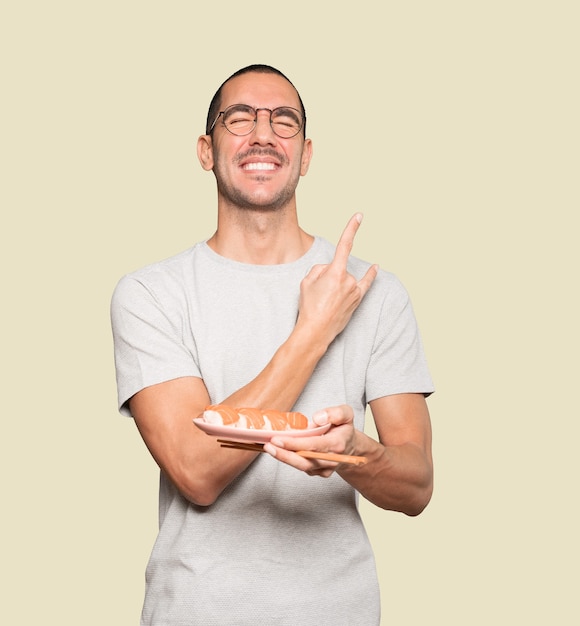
[345,243]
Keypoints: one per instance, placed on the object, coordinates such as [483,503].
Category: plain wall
[453,126]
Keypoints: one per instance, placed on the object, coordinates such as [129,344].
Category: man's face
[259,170]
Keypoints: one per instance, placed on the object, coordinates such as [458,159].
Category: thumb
[335,415]
[315,272]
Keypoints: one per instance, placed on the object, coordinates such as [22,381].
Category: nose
[263,133]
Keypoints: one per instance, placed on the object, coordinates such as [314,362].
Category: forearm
[396,477]
[194,462]
[281,382]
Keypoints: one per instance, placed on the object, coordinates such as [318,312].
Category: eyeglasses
[240,119]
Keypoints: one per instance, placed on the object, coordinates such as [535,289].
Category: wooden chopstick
[307,454]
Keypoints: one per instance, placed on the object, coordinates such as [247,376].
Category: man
[263,314]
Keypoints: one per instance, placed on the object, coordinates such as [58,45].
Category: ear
[306,157]
[205,152]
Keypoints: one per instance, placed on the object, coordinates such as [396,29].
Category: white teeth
[259,166]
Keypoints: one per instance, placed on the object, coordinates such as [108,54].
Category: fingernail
[320,418]
[359,217]
[270,449]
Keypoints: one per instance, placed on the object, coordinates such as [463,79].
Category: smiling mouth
[259,166]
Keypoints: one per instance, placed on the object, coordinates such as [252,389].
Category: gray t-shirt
[278,546]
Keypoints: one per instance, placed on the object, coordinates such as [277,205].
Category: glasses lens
[239,119]
[286,121]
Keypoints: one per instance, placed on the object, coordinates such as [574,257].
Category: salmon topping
[260,419]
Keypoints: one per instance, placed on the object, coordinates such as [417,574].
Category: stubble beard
[255,201]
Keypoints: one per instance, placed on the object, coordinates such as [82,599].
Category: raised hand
[329,295]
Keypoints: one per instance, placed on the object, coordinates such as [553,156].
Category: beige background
[452,125]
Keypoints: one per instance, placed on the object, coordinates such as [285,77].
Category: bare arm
[399,476]
[194,462]
[399,473]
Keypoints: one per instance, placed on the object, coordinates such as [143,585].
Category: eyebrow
[239,107]
[285,109]
[289,111]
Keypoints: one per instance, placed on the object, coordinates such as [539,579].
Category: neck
[260,237]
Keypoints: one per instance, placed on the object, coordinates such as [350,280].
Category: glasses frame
[271,111]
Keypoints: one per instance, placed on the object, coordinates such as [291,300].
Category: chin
[260,202]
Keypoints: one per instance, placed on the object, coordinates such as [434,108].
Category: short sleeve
[148,339]
[397,363]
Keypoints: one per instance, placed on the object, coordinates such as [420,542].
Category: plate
[255,434]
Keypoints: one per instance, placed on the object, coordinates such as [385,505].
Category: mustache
[259,152]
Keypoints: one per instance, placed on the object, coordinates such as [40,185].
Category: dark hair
[216,101]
